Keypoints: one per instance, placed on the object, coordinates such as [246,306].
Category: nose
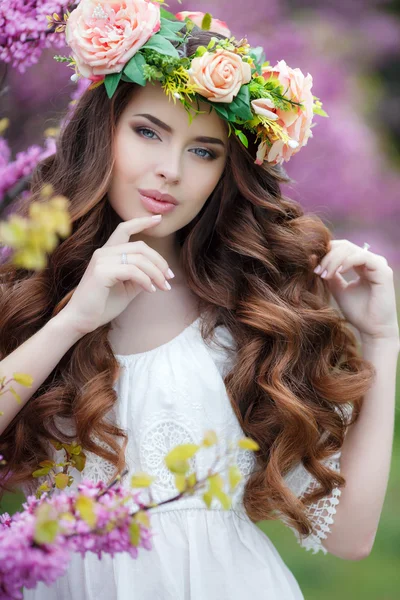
[169,168]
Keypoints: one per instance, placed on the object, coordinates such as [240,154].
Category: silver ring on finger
[124,259]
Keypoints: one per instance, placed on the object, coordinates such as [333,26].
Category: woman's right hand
[108,286]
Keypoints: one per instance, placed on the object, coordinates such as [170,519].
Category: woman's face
[157,149]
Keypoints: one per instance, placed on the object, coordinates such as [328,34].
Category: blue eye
[140,130]
[209,156]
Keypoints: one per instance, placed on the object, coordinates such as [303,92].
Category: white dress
[168,396]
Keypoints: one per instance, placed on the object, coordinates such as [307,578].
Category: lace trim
[321,512]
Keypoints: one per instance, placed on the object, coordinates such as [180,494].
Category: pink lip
[159,196]
[156,206]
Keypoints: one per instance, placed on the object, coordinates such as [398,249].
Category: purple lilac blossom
[24,564]
[20,20]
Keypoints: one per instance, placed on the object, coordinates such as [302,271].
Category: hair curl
[248,256]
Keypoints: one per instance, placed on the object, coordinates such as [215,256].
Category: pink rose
[295,122]
[105,34]
[262,107]
[219,75]
[216,26]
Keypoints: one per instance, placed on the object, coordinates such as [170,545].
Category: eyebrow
[202,138]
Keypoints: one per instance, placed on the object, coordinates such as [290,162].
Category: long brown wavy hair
[248,256]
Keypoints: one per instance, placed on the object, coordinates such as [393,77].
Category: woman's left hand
[367,302]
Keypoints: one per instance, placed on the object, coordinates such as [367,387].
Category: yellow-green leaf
[178,466]
[248,444]
[210,438]
[215,483]
[47,463]
[176,459]
[46,532]
[206,22]
[191,479]
[57,445]
[143,518]
[41,472]
[207,497]
[79,461]
[183,451]
[223,498]
[234,476]
[23,379]
[15,394]
[85,507]
[46,526]
[141,480]
[43,488]
[61,480]
[134,533]
[180,482]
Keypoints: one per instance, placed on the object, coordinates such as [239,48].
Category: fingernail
[324,274]
[167,285]
[317,269]
[170,274]
[156,217]
[153,288]
[339,269]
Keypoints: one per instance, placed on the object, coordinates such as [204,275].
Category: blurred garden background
[349,174]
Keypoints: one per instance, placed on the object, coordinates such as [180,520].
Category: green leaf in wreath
[158,43]
[206,22]
[240,105]
[167,15]
[174,26]
[111,82]
[133,70]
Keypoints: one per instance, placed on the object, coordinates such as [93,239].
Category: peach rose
[219,75]
[105,34]
[216,26]
[295,122]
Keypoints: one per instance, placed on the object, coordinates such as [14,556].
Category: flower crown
[138,41]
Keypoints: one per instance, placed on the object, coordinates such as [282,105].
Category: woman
[239,337]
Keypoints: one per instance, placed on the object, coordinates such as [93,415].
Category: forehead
[152,99]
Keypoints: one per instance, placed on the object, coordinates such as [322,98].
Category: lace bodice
[171,395]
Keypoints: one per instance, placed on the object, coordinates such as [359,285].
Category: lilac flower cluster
[25,561]
[22,21]
[23,165]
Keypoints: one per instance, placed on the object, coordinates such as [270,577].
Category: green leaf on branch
[85,507]
[111,82]
[134,533]
[133,70]
[41,472]
[176,459]
[141,480]
[23,379]
[79,461]
[15,394]
[234,476]
[248,444]
[46,526]
[207,497]
[61,481]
